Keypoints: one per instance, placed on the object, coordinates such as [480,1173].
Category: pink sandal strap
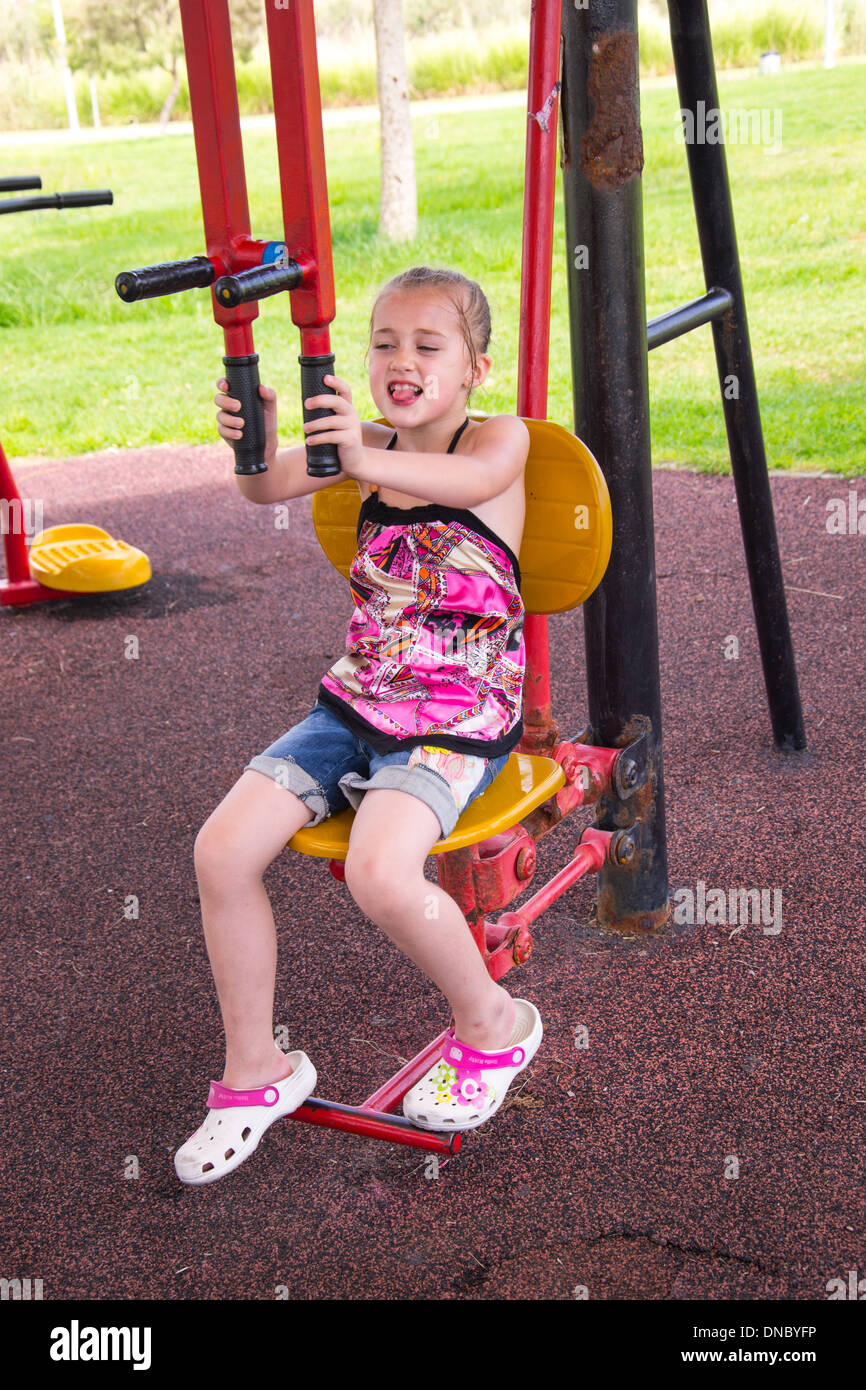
[220,1096]
[468,1059]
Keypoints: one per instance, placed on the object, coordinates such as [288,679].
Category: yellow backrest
[566,535]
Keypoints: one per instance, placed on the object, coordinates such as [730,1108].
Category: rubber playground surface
[692,1125]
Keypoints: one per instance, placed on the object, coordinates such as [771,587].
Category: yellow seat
[524,782]
[564,553]
[84,559]
[567,532]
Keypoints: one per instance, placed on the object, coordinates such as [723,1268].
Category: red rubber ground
[608,1167]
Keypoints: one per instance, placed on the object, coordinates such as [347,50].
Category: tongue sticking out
[404,393]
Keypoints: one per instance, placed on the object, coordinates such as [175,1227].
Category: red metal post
[17,588]
[304,191]
[541,731]
[213,99]
[303,179]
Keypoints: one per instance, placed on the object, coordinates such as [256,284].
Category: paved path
[331,116]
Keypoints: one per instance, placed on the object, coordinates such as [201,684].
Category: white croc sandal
[468,1086]
[236,1121]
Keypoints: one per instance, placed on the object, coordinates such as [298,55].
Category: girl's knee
[374,879]
[249,828]
[218,852]
[359,870]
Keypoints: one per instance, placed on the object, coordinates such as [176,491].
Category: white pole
[94,101]
[829,36]
[69,90]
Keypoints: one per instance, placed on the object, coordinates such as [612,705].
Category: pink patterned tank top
[435,650]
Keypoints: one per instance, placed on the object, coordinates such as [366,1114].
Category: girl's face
[417,341]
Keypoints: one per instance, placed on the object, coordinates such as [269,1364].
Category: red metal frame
[18,588]
[300,146]
[485,877]
[541,731]
[303,180]
[219,155]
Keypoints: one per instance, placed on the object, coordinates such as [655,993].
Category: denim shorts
[329,768]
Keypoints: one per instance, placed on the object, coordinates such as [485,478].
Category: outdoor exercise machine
[75,558]
[241,269]
[588,534]
[602,160]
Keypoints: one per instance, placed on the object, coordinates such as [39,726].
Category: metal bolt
[623,847]
[628,776]
[524,865]
[522,948]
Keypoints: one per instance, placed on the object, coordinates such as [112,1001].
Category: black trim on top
[390,743]
[433,511]
[451,447]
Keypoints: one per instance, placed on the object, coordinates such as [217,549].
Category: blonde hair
[467,297]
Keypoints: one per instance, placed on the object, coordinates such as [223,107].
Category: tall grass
[480,59]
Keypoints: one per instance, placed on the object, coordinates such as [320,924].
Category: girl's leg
[232,850]
[392,834]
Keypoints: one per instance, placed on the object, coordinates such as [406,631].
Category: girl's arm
[499,454]
[286,477]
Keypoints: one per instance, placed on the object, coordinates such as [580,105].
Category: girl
[409,726]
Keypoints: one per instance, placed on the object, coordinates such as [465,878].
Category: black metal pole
[708,169]
[602,159]
[686,317]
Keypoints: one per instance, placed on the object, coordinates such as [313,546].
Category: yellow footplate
[86,560]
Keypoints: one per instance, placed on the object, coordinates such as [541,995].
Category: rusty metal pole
[602,159]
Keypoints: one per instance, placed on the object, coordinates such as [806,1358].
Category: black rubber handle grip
[242,375]
[56,200]
[258,283]
[95,198]
[323,460]
[168,278]
[18,182]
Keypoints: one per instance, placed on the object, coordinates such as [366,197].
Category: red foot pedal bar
[374,1120]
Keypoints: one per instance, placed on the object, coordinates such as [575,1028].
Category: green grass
[85,372]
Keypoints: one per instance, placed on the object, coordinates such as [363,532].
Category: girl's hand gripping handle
[242,374]
[232,420]
[323,460]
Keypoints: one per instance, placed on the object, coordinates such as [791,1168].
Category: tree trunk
[66,72]
[168,104]
[398,214]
